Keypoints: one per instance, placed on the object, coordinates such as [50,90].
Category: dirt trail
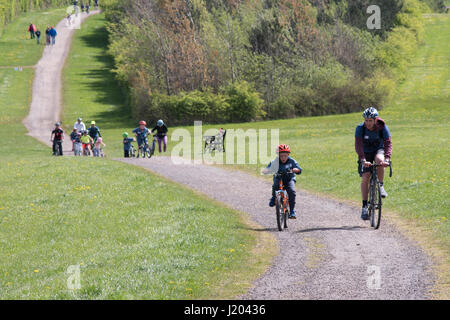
[325,254]
[46,101]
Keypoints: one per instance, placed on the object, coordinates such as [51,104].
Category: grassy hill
[418,117]
[133,234]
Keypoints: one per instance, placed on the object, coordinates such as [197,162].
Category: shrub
[245,103]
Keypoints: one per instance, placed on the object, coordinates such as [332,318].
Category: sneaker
[272,202]
[365,213]
[383,192]
[292,215]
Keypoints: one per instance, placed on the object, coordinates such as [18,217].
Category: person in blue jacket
[53,34]
[284,164]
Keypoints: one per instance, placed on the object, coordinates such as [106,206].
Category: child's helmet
[78,133]
[284,148]
[125,134]
[57,124]
[159,123]
[142,123]
[92,122]
[99,140]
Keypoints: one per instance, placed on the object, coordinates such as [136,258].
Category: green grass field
[133,234]
[418,118]
[15,44]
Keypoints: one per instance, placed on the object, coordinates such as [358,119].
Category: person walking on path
[87,8]
[161,134]
[32,30]
[53,34]
[38,36]
[47,36]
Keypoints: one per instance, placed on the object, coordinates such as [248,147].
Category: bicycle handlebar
[377,165]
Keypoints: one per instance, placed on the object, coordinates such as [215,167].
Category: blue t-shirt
[141,134]
[127,143]
[372,140]
[282,167]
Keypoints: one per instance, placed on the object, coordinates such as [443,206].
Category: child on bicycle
[76,141]
[86,141]
[98,146]
[57,137]
[141,134]
[288,166]
[73,136]
[127,144]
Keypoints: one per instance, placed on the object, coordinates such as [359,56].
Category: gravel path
[325,254]
[46,101]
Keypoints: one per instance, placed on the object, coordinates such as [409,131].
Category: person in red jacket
[372,143]
[32,30]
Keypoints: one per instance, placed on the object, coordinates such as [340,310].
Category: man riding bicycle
[372,143]
[57,137]
[284,164]
[141,134]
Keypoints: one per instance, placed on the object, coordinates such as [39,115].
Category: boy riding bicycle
[141,134]
[284,164]
[57,137]
[372,143]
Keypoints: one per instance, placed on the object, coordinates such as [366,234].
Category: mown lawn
[133,234]
[418,118]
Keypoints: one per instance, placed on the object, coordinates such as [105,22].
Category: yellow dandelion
[36,270]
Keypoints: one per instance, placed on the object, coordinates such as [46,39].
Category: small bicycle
[132,152]
[375,200]
[282,202]
[153,147]
[58,148]
[86,150]
[77,148]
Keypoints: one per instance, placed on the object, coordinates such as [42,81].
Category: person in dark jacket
[372,143]
[38,36]
[161,134]
[47,36]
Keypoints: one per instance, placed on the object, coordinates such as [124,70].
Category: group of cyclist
[373,144]
[141,133]
[87,141]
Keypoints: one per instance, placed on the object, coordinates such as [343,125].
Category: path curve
[46,103]
[325,254]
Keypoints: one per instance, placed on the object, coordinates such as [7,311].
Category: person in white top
[79,125]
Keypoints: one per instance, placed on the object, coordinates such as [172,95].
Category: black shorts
[370,157]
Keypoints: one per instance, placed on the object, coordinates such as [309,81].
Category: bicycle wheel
[279,213]
[286,214]
[152,150]
[377,207]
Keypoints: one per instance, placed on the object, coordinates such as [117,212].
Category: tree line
[245,60]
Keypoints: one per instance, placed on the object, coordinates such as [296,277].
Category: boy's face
[141,126]
[284,156]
